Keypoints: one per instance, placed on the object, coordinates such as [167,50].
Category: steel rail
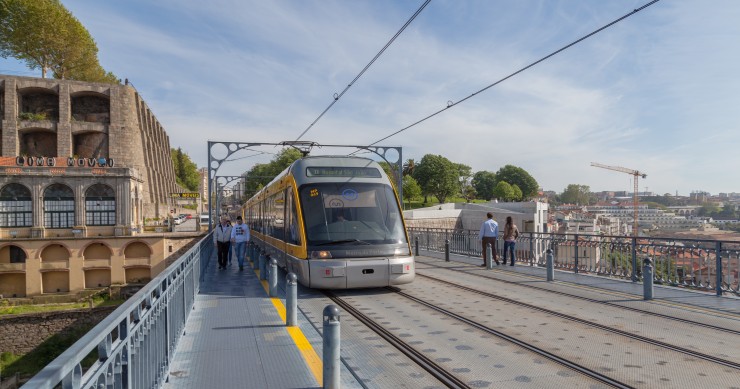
[557,359]
[661,315]
[710,358]
[437,371]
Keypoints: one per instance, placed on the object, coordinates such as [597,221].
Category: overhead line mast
[636,174]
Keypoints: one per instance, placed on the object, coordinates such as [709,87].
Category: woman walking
[510,235]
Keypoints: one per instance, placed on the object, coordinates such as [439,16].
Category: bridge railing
[709,265]
[134,345]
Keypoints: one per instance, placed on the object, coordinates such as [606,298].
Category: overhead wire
[452,104]
[339,96]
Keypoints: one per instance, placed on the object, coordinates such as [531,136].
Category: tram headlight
[323,254]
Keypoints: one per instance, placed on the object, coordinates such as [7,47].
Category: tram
[334,221]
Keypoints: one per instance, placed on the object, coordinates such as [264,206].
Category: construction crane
[636,175]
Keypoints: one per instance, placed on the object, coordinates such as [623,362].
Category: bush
[34,117]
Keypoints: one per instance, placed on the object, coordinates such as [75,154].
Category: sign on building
[186,195]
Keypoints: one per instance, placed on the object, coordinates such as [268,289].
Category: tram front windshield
[351,213]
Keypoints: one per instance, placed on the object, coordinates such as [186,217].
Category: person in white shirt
[240,237]
[222,240]
[489,234]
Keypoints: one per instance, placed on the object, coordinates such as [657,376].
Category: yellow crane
[636,175]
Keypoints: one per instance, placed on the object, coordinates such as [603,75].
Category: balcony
[55,265]
[12,267]
[130,262]
[96,263]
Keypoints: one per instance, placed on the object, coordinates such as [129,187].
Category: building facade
[78,161]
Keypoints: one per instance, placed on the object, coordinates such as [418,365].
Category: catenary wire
[451,104]
[338,96]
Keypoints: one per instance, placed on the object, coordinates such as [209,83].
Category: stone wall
[20,334]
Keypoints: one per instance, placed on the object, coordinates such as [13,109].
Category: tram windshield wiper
[343,241]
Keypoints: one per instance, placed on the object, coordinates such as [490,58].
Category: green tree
[408,168]
[437,176]
[484,182]
[517,176]
[503,191]
[411,189]
[464,173]
[46,36]
[576,194]
[517,193]
[186,171]
[262,173]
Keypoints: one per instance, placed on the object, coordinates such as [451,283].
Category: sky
[656,92]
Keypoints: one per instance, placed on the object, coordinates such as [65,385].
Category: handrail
[703,264]
[135,343]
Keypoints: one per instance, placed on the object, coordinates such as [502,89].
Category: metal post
[263,265]
[550,266]
[273,278]
[291,300]
[719,269]
[647,278]
[256,258]
[575,248]
[447,250]
[331,347]
[532,259]
[489,257]
[416,242]
[634,259]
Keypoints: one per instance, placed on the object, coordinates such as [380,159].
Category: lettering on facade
[187,195]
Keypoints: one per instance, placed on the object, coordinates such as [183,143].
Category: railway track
[631,309]
[696,354]
[439,372]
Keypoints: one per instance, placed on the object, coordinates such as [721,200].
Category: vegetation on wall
[186,171]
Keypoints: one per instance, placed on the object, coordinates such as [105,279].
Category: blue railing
[134,345]
[708,265]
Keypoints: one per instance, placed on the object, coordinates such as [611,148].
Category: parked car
[188,216]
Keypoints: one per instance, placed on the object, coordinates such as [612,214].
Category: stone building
[82,161]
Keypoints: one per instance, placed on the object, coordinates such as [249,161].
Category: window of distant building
[59,206]
[15,206]
[100,206]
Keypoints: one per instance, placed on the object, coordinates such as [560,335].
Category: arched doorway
[96,265]
[55,269]
[13,281]
[137,257]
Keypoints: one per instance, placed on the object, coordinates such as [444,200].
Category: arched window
[59,206]
[100,206]
[15,206]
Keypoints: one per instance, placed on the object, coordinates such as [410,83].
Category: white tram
[335,222]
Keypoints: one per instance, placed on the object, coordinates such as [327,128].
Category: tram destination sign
[186,195]
[351,171]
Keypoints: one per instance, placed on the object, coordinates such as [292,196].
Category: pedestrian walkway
[634,290]
[236,338]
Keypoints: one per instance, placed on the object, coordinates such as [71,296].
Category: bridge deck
[235,337]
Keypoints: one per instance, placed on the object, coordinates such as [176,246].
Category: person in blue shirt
[489,234]
[240,237]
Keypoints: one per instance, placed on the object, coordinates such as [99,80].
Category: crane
[636,175]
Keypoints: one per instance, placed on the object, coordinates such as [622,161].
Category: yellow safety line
[310,356]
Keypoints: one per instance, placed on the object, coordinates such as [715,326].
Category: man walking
[221,238]
[240,237]
[489,234]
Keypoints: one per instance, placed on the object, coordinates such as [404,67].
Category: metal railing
[709,265]
[134,345]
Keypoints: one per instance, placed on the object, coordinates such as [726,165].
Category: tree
[46,36]
[411,189]
[437,176]
[484,182]
[576,194]
[516,192]
[518,176]
[262,173]
[464,172]
[408,168]
[186,171]
[503,191]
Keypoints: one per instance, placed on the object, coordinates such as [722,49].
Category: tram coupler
[291,300]
[331,353]
[647,279]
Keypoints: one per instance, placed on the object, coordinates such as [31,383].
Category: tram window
[363,212]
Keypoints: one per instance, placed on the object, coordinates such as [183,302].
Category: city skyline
[656,92]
